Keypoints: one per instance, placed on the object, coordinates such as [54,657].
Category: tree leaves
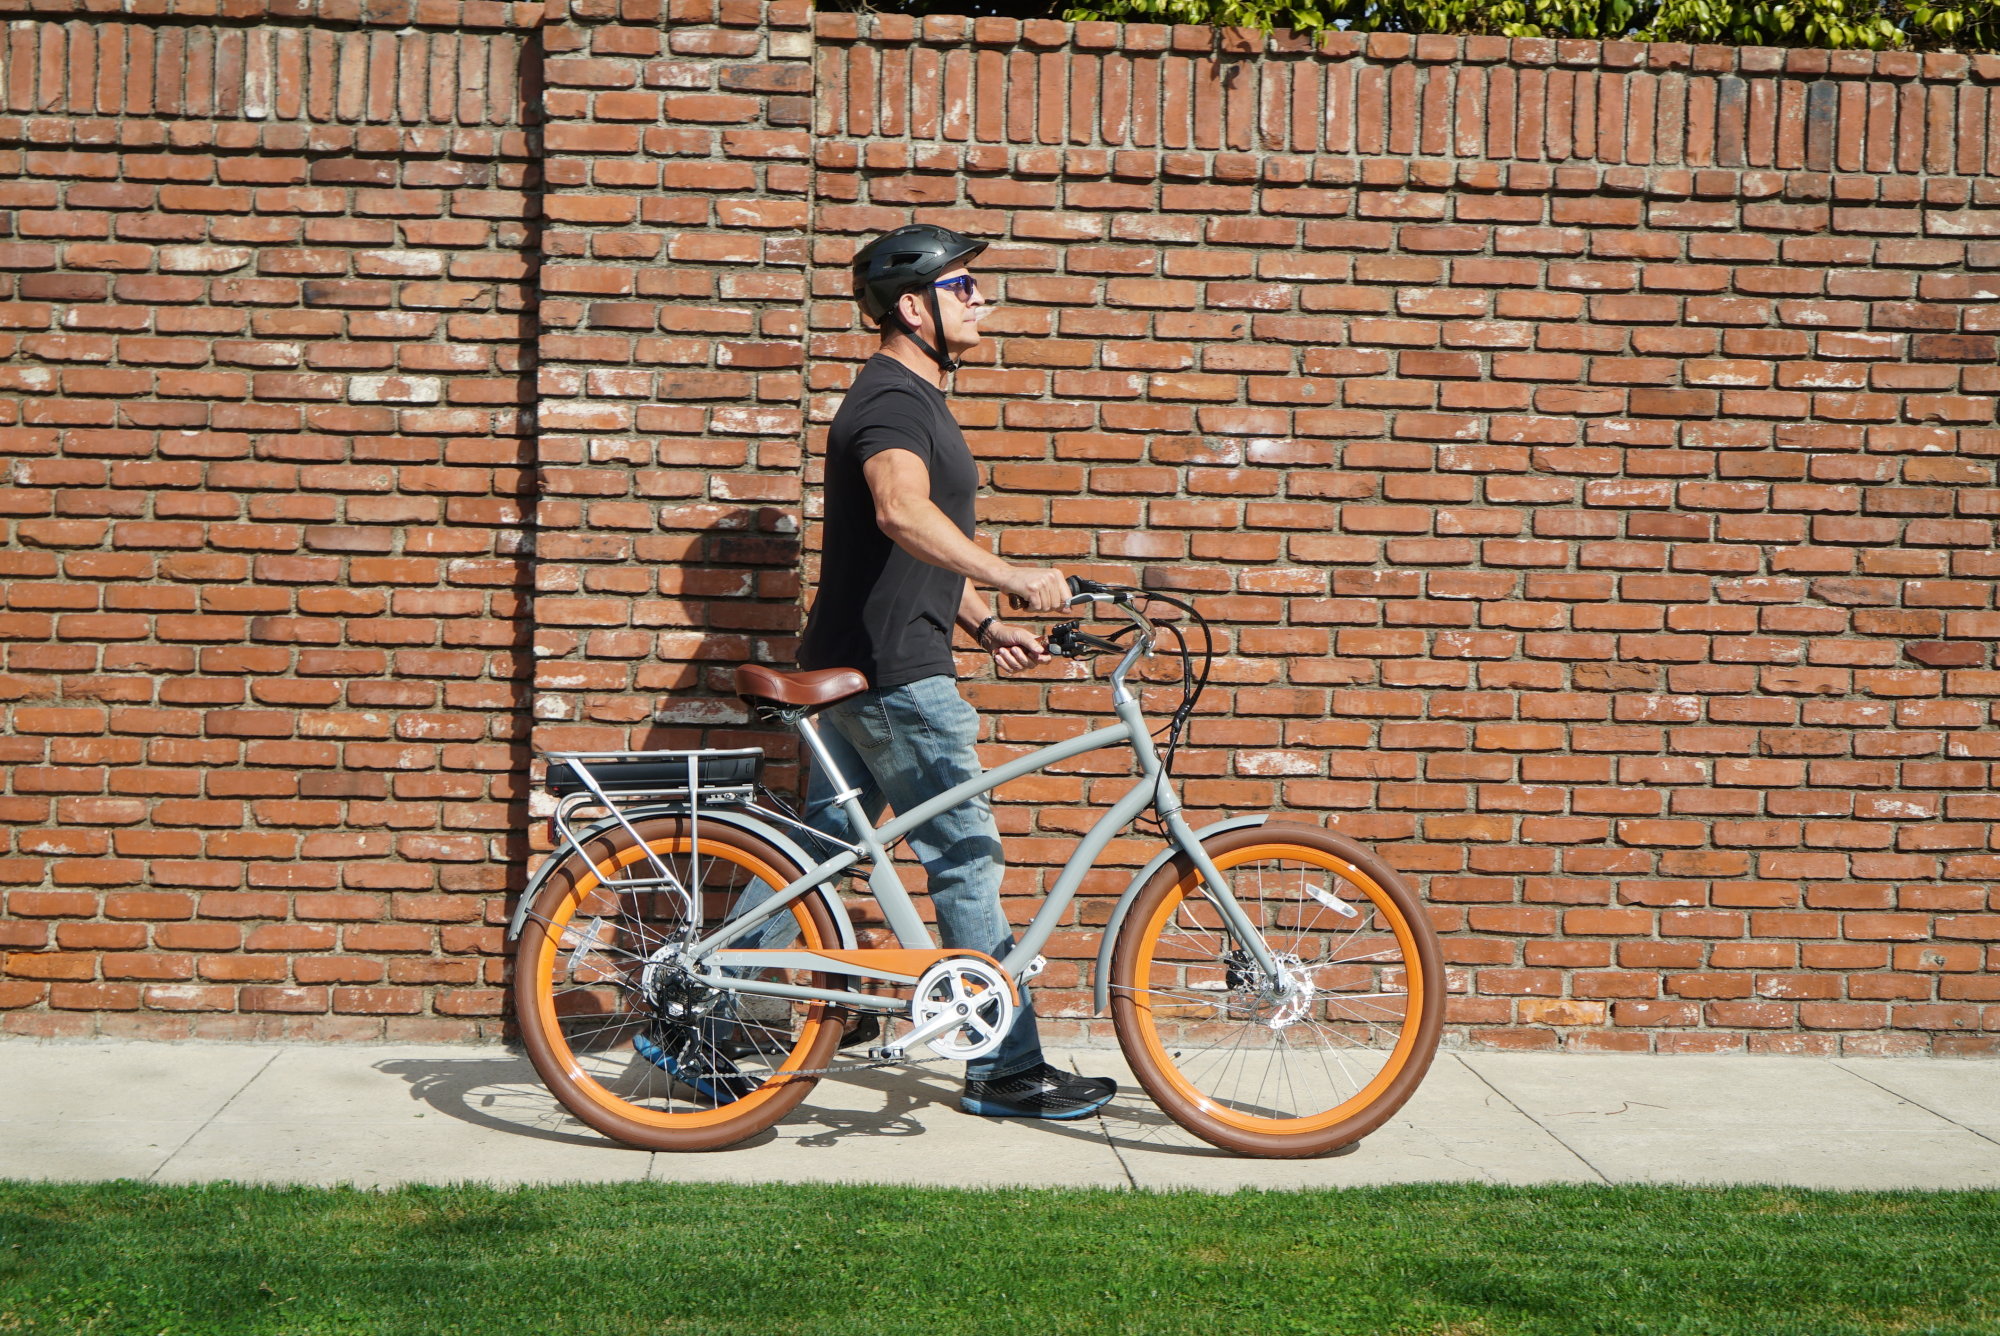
[1965,25]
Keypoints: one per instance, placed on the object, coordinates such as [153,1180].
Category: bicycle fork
[1168,804]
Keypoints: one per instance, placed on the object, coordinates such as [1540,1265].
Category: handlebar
[1070,640]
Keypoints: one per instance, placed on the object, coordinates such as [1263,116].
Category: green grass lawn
[1455,1260]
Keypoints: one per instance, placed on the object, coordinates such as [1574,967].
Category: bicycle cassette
[963,1008]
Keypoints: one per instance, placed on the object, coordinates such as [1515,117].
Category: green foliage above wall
[1966,25]
[1924,25]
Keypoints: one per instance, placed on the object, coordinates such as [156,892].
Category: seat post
[821,756]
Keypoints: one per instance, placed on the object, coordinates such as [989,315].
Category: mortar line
[1910,1099]
[1552,1134]
[210,1120]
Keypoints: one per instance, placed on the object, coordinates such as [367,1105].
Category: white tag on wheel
[586,943]
[1333,902]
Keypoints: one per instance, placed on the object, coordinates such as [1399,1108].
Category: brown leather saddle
[797,691]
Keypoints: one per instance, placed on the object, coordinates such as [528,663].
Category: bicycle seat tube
[897,911]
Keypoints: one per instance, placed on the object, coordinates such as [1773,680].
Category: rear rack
[617,782]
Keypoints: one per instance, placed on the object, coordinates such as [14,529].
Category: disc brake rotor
[1295,993]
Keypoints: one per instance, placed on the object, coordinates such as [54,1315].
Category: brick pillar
[263,712]
[678,163]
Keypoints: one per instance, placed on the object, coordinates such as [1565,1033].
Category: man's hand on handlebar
[1014,648]
[1038,589]
[1154,609]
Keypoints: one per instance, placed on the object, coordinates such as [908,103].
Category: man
[897,573]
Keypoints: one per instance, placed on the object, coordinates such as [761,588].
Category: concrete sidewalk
[370,1115]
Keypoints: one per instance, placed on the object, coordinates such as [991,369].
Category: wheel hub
[672,992]
[1291,997]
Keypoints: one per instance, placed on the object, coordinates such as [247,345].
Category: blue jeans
[902,746]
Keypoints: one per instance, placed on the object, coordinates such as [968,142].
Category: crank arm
[937,1025]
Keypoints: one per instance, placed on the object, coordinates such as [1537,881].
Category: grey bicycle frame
[887,885]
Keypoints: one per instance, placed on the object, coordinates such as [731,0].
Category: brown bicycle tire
[548,1048]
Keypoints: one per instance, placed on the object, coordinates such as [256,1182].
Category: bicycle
[1276,989]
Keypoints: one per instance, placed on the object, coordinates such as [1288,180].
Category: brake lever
[1072,641]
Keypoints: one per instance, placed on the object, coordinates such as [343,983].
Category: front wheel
[1297,1066]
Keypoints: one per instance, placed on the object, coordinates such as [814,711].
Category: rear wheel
[1308,1063]
[627,1040]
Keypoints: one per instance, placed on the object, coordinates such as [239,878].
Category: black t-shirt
[879,609]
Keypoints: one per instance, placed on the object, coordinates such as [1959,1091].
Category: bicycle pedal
[886,1053]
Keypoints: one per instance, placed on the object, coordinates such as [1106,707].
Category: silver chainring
[979,993]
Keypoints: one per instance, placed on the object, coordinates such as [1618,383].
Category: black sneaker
[1040,1092]
[863,1030]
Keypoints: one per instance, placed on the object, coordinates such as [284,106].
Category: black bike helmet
[903,261]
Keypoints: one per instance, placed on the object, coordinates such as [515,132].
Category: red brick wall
[1588,448]
[679,159]
[267,296]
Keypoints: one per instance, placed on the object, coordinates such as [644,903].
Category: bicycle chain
[869,1066]
[879,1063]
[865,1065]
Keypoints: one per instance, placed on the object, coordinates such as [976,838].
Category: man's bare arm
[972,609]
[901,486]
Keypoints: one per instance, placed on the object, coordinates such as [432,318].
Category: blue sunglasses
[964,286]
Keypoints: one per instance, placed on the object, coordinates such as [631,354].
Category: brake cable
[1074,639]
[1191,693]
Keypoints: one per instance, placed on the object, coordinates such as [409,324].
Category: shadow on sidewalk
[504,1094]
[501,1093]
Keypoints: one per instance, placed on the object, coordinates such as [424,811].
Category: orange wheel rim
[1399,1056]
[559,1043]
